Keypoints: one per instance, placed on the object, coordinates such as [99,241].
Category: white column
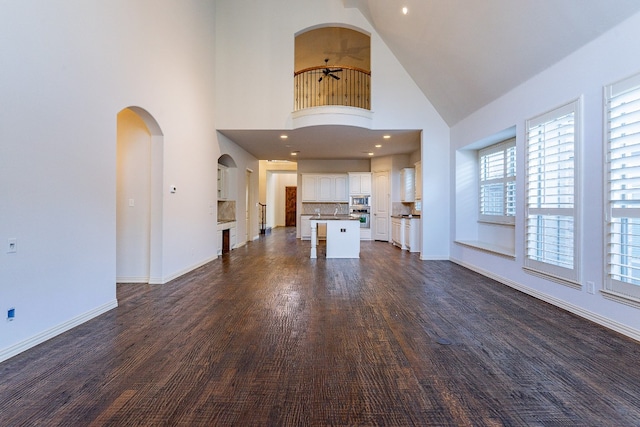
[314,238]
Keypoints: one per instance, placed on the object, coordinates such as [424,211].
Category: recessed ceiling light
[378,145]
[294,153]
[405,10]
[283,137]
[387,136]
[371,154]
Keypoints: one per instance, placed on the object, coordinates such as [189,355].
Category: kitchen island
[343,235]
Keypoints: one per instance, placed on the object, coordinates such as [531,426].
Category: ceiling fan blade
[320,79]
[334,76]
[337,70]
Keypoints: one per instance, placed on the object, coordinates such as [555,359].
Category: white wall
[255,45]
[583,74]
[68,68]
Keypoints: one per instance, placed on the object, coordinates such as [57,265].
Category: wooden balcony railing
[352,89]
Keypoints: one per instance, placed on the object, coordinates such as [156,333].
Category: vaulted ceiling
[463,54]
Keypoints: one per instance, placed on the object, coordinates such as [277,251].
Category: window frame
[569,276]
[506,179]
[621,290]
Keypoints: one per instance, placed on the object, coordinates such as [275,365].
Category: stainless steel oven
[363,214]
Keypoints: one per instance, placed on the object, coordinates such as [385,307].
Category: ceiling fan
[327,72]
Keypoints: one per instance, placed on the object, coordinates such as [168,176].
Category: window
[551,193]
[623,196]
[498,182]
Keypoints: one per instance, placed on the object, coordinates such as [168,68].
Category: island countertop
[335,218]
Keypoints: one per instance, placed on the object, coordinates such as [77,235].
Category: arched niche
[227,160]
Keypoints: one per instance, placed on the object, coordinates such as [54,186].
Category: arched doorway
[139,202]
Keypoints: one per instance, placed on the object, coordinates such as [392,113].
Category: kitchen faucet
[337,209]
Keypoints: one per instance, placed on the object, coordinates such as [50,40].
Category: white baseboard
[433,258]
[132,279]
[18,348]
[577,310]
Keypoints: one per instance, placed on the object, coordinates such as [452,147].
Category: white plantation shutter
[550,201]
[498,182]
[623,161]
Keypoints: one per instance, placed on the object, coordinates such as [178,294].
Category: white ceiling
[324,142]
[463,54]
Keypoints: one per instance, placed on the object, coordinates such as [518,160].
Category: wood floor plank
[266,336]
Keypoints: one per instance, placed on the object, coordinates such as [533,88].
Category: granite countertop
[335,218]
[224,221]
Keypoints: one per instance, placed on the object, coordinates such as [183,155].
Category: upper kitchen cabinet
[324,188]
[227,178]
[309,184]
[359,183]
[223,182]
[407,185]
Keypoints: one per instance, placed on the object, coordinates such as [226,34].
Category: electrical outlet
[591,288]
[11,314]
[12,245]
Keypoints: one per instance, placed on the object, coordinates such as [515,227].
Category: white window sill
[548,276]
[488,247]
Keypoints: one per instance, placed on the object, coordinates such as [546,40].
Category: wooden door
[290,206]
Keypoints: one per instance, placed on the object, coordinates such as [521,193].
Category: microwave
[360,201]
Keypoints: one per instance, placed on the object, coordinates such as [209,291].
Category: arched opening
[139,204]
[332,67]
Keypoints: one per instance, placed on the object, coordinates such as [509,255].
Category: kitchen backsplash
[400,208]
[325,208]
[226,210]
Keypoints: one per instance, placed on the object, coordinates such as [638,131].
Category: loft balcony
[337,95]
[332,86]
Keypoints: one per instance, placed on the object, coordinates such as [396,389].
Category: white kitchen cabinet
[223,182]
[397,232]
[341,188]
[407,185]
[309,184]
[305,227]
[365,233]
[359,183]
[418,181]
[325,188]
[412,234]
[405,233]
[233,237]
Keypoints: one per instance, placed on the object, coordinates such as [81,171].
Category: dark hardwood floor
[266,336]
